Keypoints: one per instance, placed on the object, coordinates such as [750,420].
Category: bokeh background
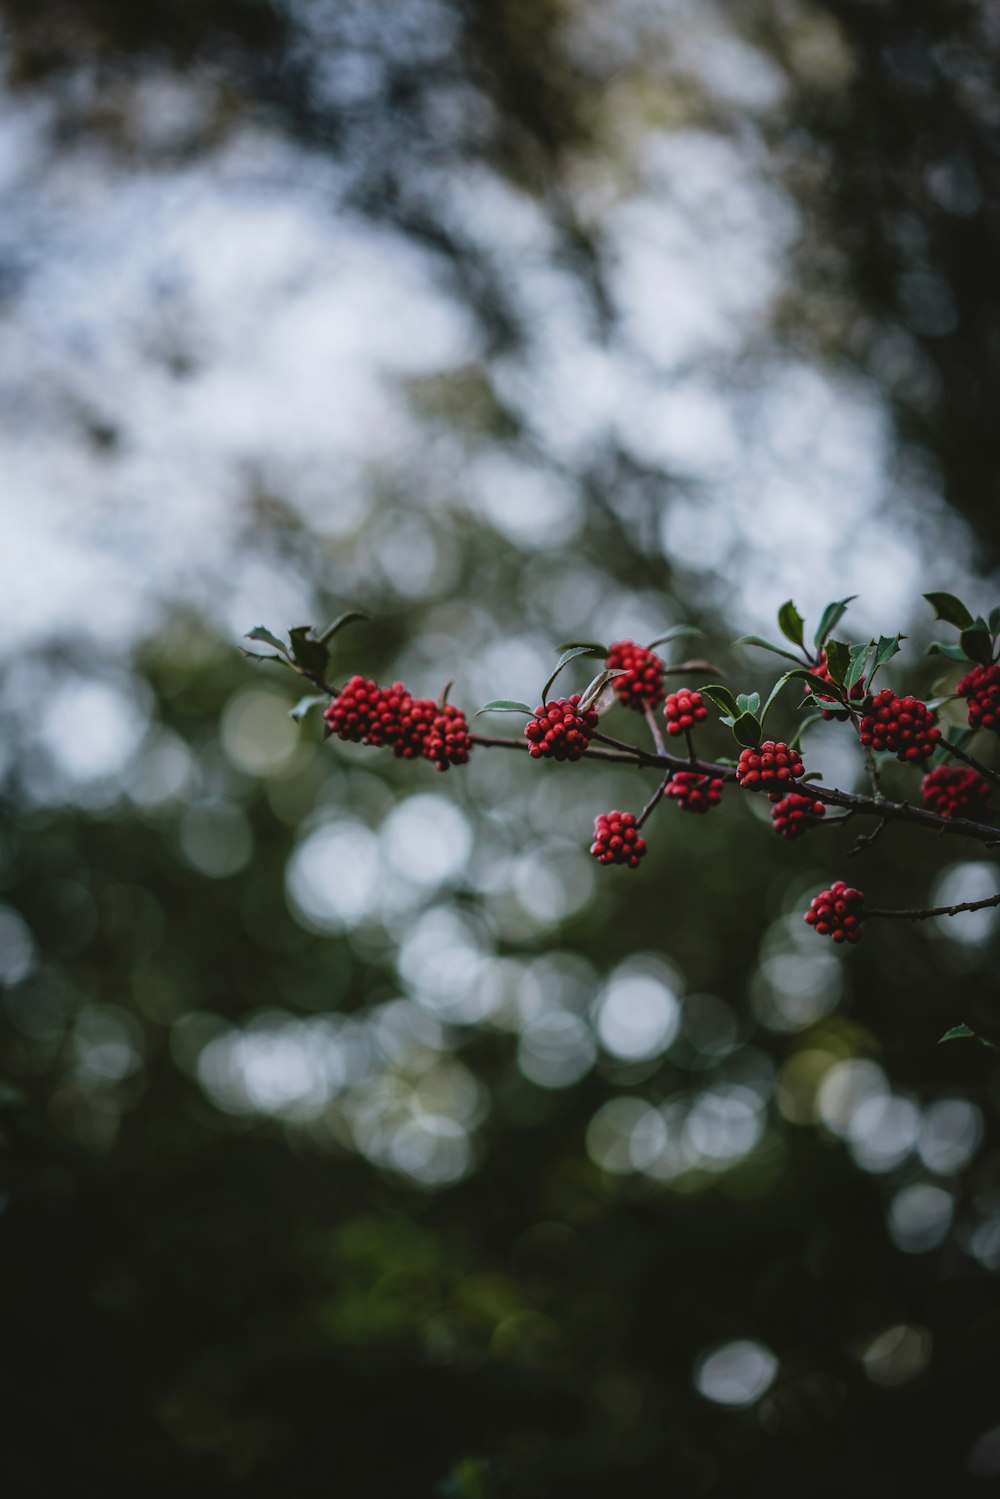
[360,1135]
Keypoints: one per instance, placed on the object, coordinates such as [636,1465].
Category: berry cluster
[955,791]
[683,710]
[773,767]
[904,725]
[693,792]
[856,693]
[643,686]
[794,815]
[617,840]
[559,731]
[837,912]
[413,727]
[981,688]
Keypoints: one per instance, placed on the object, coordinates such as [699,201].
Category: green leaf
[958,1033]
[766,645]
[857,666]
[260,633]
[773,694]
[307,650]
[803,729]
[818,685]
[953,652]
[304,704]
[978,643]
[747,729]
[947,607]
[994,621]
[504,705]
[721,697]
[593,646]
[674,633]
[831,617]
[838,659]
[959,734]
[748,702]
[342,619]
[567,656]
[790,622]
[593,690]
[887,647]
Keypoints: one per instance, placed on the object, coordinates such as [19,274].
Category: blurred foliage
[329,1157]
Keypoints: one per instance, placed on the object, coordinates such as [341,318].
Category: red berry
[683,710]
[837,912]
[644,683]
[447,741]
[559,731]
[408,729]
[857,692]
[694,792]
[902,724]
[955,791]
[353,711]
[794,815]
[617,840]
[981,686]
[771,767]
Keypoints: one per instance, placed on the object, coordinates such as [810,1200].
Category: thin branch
[865,840]
[961,754]
[653,802]
[654,729]
[630,749]
[592,754]
[922,915]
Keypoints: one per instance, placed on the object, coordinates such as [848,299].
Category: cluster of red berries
[856,693]
[694,792]
[837,912]
[773,767]
[904,725]
[559,731]
[644,683]
[955,791]
[683,710]
[981,688]
[413,727]
[794,815]
[617,840]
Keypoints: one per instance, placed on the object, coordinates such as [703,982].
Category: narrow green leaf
[281,660]
[958,1033]
[260,633]
[567,656]
[838,659]
[857,669]
[803,729]
[766,645]
[953,652]
[504,705]
[747,729]
[790,622]
[994,621]
[947,607]
[593,646]
[818,685]
[674,633]
[831,617]
[338,624]
[978,644]
[721,697]
[779,684]
[304,704]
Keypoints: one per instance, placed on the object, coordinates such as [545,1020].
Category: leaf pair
[977,636]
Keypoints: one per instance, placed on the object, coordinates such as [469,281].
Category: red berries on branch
[773,767]
[694,792]
[413,727]
[981,689]
[448,742]
[617,840]
[795,814]
[955,791]
[643,684]
[837,912]
[904,725]
[559,731]
[683,710]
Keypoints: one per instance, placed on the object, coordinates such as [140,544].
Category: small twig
[629,749]
[653,802]
[961,754]
[592,754]
[873,775]
[654,729]
[865,840]
[922,915]
[690,744]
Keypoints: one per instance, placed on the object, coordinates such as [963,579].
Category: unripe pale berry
[694,792]
[682,710]
[903,725]
[772,767]
[955,791]
[559,731]
[795,814]
[981,689]
[837,912]
[643,686]
[617,840]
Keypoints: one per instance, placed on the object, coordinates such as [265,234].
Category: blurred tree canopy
[358,1132]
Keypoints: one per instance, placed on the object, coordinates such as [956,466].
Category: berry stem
[644,756]
[636,757]
[654,729]
[692,757]
[865,840]
[961,754]
[922,915]
[873,775]
[653,802]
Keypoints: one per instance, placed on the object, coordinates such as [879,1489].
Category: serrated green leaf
[858,665]
[790,622]
[887,647]
[994,620]
[721,697]
[304,704]
[958,1033]
[504,705]
[947,607]
[594,646]
[838,659]
[953,652]
[259,632]
[831,617]
[766,645]
[349,618]
[567,656]
[674,633]
[307,650]
[748,702]
[747,729]
[977,644]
